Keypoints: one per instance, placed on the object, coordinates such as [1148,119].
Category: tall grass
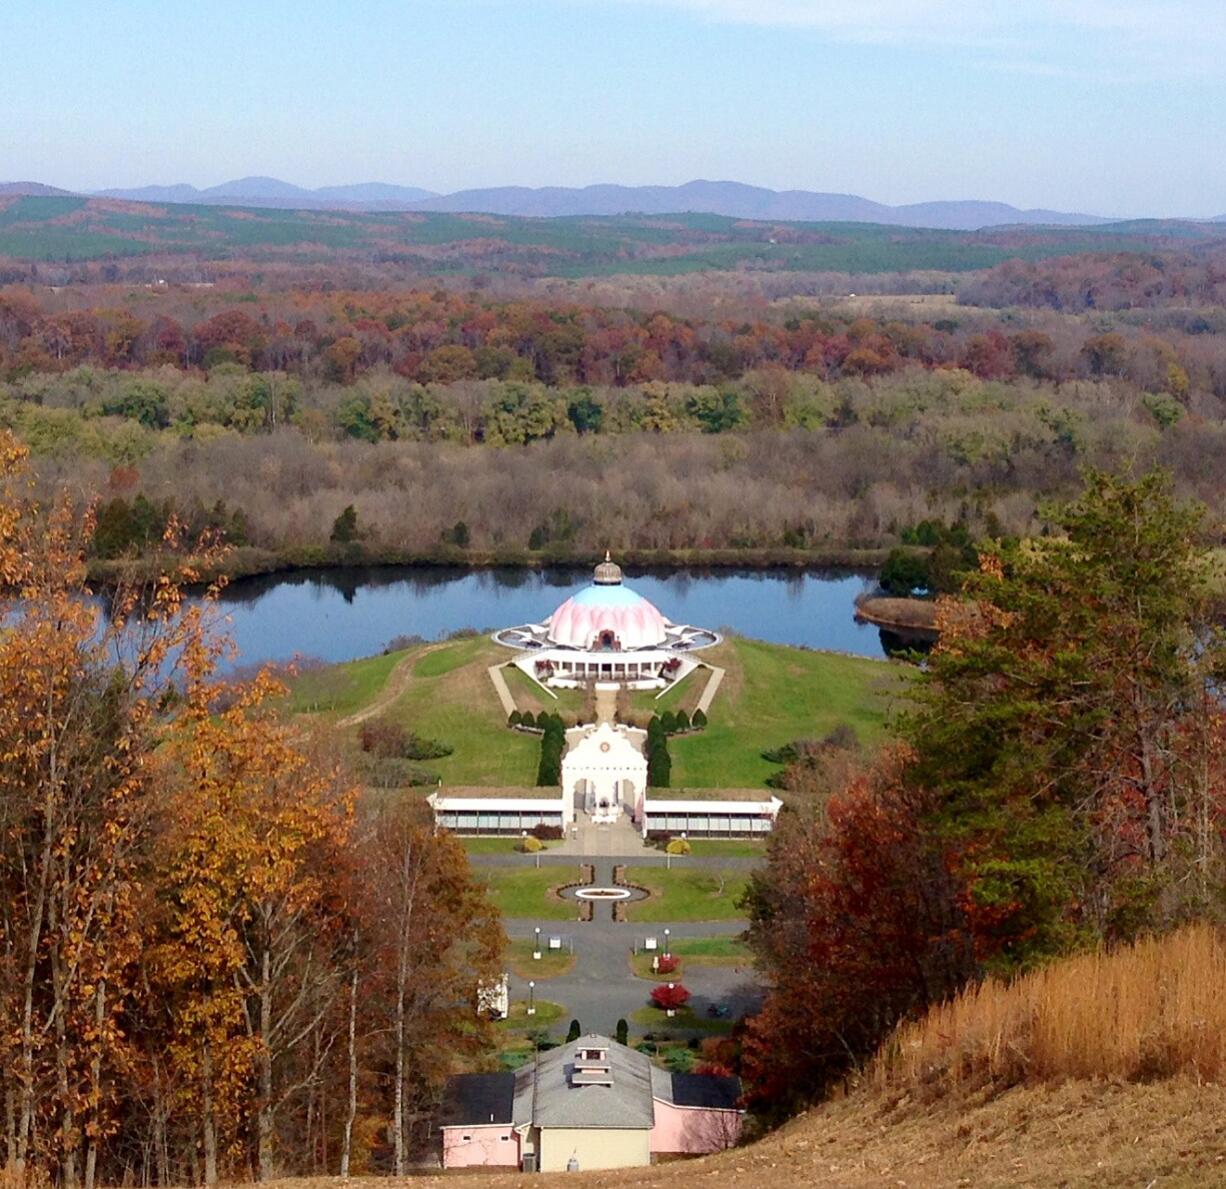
[1152,1010]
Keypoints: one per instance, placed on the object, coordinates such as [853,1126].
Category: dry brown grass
[1153,1010]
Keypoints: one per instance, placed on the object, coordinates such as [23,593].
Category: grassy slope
[450,697]
[771,695]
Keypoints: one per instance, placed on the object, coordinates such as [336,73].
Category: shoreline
[250,562]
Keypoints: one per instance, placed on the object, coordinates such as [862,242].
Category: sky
[1115,108]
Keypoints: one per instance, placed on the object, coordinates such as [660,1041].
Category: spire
[608,573]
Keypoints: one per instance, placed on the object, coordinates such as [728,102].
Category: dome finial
[608,573]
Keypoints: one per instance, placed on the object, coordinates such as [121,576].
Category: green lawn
[519,1020]
[772,695]
[341,689]
[731,848]
[494,845]
[450,697]
[552,964]
[652,1019]
[528,892]
[689,894]
[695,951]
[529,695]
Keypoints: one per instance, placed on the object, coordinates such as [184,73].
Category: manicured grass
[772,695]
[689,894]
[681,695]
[494,845]
[528,892]
[450,697]
[552,964]
[731,848]
[520,1021]
[341,689]
[653,1019]
[695,951]
[529,695]
[439,661]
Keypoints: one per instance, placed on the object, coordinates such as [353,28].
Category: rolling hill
[732,199]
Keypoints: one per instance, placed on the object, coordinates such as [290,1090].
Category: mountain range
[733,199]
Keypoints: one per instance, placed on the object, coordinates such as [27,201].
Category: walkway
[501,689]
[708,694]
[606,703]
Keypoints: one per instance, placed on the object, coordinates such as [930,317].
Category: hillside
[1080,1135]
[707,197]
[75,229]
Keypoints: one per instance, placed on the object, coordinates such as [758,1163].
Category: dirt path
[397,682]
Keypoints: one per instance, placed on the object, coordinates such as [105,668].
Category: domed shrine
[606,632]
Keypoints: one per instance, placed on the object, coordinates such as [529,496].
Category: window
[466,1139]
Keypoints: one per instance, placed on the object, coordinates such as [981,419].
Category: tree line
[216,960]
[439,337]
[1058,783]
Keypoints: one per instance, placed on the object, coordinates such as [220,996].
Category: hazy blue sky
[1113,107]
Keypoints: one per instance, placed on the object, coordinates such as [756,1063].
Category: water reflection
[346,612]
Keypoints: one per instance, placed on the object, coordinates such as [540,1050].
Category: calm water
[341,614]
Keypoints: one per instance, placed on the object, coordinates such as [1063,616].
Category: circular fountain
[598,895]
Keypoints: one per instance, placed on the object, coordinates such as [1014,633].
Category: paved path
[601,987]
[501,689]
[606,704]
[708,694]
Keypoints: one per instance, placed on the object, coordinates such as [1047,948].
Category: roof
[459,792]
[477,1099]
[707,1090]
[660,802]
[623,615]
[557,1102]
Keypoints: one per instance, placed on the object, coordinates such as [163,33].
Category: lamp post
[667,951]
[531,998]
[536,945]
[672,1011]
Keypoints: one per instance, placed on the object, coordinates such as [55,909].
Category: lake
[340,614]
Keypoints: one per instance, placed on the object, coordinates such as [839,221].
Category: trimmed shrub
[667,964]
[669,998]
[668,720]
[699,721]
[546,833]
[573,1032]
[514,719]
[622,1032]
[527,719]
[681,721]
[678,846]
[529,845]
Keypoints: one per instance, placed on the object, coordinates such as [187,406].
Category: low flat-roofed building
[591,1104]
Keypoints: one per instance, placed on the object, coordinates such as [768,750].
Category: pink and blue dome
[607,616]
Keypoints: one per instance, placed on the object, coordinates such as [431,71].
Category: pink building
[592,1104]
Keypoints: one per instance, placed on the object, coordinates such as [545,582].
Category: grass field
[341,689]
[494,845]
[693,894]
[695,951]
[652,1019]
[529,695]
[528,892]
[552,964]
[772,695]
[727,848]
[518,1020]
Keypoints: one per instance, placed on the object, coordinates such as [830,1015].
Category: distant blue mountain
[272,192]
[732,199]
